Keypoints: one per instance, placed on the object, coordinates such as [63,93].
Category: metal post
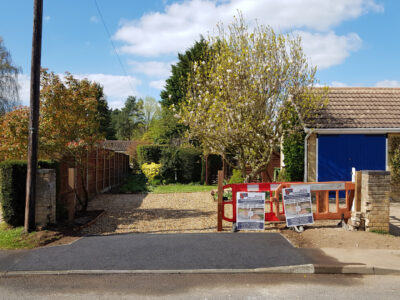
[30,200]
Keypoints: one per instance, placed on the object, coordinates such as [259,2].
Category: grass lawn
[15,238]
[137,184]
[181,188]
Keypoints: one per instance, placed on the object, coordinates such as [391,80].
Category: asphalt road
[200,286]
[160,252]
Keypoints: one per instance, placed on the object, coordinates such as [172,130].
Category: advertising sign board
[298,206]
[250,212]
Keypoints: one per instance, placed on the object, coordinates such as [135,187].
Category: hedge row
[147,154]
[178,164]
[13,189]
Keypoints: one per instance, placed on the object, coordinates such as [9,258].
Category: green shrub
[181,165]
[170,164]
[149,153]
[151,170]
[282,177]
[203,171]
[190,165]
[135,184]
[13,188]
[293,151]
[394,159]
[236,177]
[12,191]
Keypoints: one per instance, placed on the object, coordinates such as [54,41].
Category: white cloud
[152,68]
[47,18]
[24,84]
[338,84]
[181,23]
[116,88]
[157,84]
[388,83]
[328,49]
[94,19]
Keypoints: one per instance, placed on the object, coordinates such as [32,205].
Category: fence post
[220,198]
[87,172]
[109,168]
[95,168]
[104,167]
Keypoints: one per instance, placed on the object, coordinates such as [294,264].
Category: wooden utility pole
[34,116]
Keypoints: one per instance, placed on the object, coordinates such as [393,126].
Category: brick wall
[375,201]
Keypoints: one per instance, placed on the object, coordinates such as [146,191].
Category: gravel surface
[197,212]
[155,213]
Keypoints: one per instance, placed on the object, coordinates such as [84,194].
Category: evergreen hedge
[190,165]
[146,154]
[13,189]
[178,164]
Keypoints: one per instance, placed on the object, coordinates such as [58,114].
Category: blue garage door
[337,154]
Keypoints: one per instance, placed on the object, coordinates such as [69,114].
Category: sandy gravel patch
[155,213]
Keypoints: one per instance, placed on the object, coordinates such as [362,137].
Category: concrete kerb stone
[296,269]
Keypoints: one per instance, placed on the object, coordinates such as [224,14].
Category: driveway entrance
[155,213]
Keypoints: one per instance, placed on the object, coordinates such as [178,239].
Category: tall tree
[237,100]
[106,127]
[151,110]
[8,81]
[69,125]
[128,119]
[175,92]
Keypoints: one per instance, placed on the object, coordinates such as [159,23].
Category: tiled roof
[360,108]
[116,145]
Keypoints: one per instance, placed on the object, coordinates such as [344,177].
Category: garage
[337,154]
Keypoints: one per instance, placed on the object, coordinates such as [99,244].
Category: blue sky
[352,42]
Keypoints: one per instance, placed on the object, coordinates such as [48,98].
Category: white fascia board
[355,130]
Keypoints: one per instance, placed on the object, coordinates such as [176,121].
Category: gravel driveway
[155,213]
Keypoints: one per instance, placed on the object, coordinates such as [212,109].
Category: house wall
[312,158]
[395,187]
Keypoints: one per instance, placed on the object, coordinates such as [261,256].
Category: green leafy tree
[175,93]
[151,111]
[106,127]
[69,125]
[9,97]
[238,98]
[128,119]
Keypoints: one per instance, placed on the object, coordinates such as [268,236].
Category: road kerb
[296,269]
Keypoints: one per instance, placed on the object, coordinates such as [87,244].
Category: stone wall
[45,197]
[375,201]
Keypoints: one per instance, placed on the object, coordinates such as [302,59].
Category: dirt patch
[66,232]
[329,236]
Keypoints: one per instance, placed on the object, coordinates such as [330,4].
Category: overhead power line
[113,45]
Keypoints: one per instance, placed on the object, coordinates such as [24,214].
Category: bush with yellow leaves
[151,170]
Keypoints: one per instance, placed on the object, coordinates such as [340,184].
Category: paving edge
[354,269]
[296,269]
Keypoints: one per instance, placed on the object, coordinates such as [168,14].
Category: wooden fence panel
[104,169]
